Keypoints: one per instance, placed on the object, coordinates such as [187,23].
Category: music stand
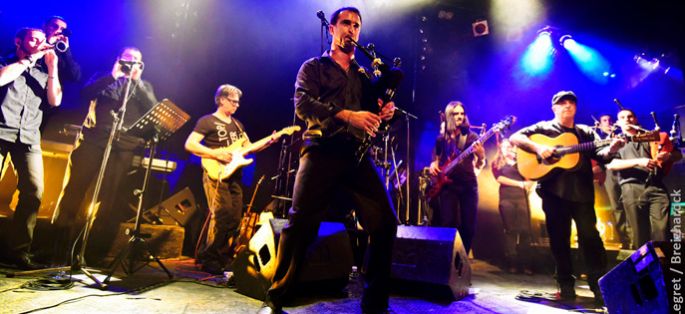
[159,123]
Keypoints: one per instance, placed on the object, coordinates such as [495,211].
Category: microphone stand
[93,207]
[282,186]
[324,29]
[407,117]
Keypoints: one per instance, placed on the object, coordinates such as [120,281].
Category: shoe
[567,293]
[384,311]
[270,308]
[375,310]
[599,300]
[212,266]
[23,261]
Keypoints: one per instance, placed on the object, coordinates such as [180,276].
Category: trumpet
[59,46]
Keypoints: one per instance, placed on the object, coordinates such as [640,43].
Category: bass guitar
[566,153]
[219,171]
[438,182]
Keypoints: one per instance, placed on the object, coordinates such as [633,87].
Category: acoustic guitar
[219,171]
[566,153]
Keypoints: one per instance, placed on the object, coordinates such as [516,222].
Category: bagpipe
[385,80]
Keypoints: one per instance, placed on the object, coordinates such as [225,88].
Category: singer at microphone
[105,92]
[333,98]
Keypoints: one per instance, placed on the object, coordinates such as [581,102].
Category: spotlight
[566,40]
[480,28]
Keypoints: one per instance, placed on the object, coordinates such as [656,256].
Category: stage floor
[192,291]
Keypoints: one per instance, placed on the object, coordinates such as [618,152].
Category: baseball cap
[564,94]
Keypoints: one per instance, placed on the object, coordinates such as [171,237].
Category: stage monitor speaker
[177,209]
[432,257]
[165,241]
[637,284]
[328,259]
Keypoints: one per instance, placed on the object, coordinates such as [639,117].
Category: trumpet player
[25,85]
[57,35]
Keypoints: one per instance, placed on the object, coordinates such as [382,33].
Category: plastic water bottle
[354,287]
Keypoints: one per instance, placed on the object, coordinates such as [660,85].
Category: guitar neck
[252,147]
[584,147]
[468,151]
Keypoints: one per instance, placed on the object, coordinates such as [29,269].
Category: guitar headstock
[290,129]
[504,123]
[649,136]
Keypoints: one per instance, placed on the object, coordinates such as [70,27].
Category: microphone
[656,123]
[675,135]
[129,63]
[127,66]
[322,17]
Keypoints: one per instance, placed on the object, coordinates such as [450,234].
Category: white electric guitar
[219,171]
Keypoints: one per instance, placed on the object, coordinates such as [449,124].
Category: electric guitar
[219,171]
[248,225]
[438,182]
[566,153]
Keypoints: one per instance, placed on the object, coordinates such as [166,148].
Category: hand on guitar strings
[545,151]
[222,155]
[274,138]
[434,168]
[479,151]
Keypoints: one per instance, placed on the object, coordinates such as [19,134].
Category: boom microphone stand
[93,207]
[407,117]
[161,121]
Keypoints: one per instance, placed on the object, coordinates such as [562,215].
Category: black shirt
[635,174]
[507,192]
[576,184]
[69,70]
[448,149]
[20,104]
[323,89]
[217,132]
[109,94]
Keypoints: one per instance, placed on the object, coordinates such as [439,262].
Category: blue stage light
[588,60]
[538,57]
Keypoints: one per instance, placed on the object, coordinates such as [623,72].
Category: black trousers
[324,170]
[559,213]
[647,210]
[457,206]
[85,163]
[614,194]
[518,233]
[28,163]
